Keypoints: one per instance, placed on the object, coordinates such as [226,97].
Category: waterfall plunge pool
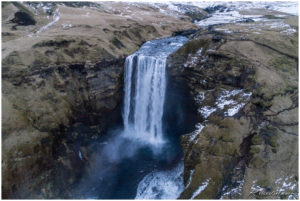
[142,158]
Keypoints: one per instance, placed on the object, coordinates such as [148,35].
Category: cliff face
[62,77]
[245,85]
[40,106]
[62,86]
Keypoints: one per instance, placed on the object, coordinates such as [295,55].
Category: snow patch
[255,188]
[194,134]
[56,18]
[200,188]
[206,111]
[200,97]
[194,59]
[289,31]
[226,100]
[64,25]
[232,111]
[234,191]
[190,178]
[224,30]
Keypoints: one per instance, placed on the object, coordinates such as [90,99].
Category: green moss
[226,137]
[257,162]
[230,150]
[290,89]
[270,136]
[272,141]
[282,63]
[256,140]
[254,150]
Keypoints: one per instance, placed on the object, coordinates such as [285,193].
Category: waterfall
[144,87]
[144,99]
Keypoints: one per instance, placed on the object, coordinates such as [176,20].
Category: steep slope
[245,83]
[62,83]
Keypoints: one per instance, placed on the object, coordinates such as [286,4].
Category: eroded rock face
[62,86]
[246,140]
[43,104]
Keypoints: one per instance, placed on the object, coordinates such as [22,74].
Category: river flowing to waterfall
[142,159]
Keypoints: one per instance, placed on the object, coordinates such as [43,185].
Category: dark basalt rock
[185,33]
[54,43]
[217,38]
[219,8]
[246,20]
[23,19]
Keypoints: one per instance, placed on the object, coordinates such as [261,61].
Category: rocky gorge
[62,91]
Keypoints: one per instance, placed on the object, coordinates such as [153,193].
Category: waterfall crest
[145,85]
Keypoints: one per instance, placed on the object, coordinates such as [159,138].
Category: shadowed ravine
[140,156]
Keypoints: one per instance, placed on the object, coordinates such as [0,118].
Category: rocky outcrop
[245,145]
[44,105]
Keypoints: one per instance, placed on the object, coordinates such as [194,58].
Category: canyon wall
[246,89]
[62,87]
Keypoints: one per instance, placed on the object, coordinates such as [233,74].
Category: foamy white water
[145,85]
[162,184]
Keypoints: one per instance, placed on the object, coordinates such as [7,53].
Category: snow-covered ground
[282,186]
[230,102]
[290,7]
[232,12]
[237,190]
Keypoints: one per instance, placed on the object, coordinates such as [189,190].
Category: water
[144,110]
[129,162]
[166,184]
[145,86]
